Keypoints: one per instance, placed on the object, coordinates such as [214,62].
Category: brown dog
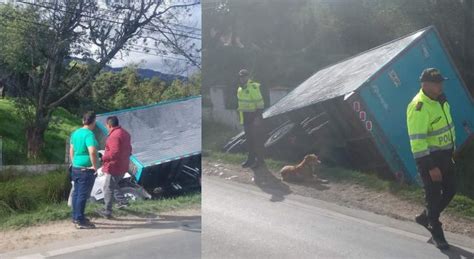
[304,171]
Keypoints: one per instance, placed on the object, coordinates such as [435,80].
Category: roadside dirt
[349,195]
[36,236]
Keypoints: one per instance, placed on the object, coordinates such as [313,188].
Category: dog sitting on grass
[303,172]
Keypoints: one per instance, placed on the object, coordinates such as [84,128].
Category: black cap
[244,72]
[432,75]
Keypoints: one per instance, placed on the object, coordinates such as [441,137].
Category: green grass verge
[27,200]
[237,158]
[60,211]
[215,135]
[12,130]
[23,193]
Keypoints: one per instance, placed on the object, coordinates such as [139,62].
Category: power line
[157,55]
[145,47]
[111,21]
[151,48]
[185,26]
[108,20]
[131,45]
[170,23]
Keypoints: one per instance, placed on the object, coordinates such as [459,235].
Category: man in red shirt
[116,160]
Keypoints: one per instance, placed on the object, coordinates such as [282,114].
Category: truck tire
[279,134]
[236,144]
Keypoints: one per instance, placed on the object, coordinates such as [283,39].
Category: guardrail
[33,169]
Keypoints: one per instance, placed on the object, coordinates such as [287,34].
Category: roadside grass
[237,158]
[60,211]
[13,134]
[27,200]
[461,205]
[215,135]
[152,207]
[21,193]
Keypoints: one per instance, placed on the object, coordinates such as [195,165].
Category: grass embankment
[13,132]
[215,135]
[29,200]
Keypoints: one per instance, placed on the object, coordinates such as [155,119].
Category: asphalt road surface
[244,221]
[181,239]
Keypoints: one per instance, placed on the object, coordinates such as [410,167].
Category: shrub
[25,193]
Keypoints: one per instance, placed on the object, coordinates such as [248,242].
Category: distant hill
[143,72]
[149,73]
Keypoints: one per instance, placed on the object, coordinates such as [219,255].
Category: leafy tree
[180,89]
[284,42]
[104,87]
[38,41]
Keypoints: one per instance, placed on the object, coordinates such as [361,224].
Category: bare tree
[80,28]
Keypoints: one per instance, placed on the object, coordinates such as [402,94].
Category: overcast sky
[157,63]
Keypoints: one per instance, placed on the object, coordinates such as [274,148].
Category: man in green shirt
[83,154]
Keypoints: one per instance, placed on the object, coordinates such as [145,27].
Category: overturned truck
[353,113]
[166,143]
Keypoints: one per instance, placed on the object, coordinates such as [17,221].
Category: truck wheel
[279,134]
[132,194]
[235,144]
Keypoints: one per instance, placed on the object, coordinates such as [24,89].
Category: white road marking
[77,248]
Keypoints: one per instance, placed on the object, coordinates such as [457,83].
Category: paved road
[181,244]
[242,221]
[181,239]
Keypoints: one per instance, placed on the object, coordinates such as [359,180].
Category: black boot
[248,163]
[258,163]
[422,219]
[438,237]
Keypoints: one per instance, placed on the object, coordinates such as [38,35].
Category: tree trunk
[35,134]
[35,137]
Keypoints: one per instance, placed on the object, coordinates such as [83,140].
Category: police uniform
[250,108]
[432,139]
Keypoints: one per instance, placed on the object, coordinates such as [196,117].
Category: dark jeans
[439,194]
[255,142]
[112,191]
[83,183]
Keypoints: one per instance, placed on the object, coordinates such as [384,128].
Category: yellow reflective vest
[249,99]
[430,126]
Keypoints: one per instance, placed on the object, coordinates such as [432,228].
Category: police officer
[432,140]
[250,108]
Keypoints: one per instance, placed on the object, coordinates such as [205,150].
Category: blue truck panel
[388,93]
